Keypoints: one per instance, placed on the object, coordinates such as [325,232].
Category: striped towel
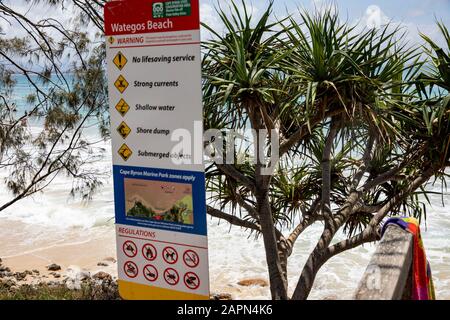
[422,286]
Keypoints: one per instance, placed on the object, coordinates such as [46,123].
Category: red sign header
[149,16]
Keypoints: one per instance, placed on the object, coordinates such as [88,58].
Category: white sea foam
[233,255]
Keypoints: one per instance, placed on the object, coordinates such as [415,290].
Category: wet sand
[76,248]
[33,247]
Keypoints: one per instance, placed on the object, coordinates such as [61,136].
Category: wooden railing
[388,275]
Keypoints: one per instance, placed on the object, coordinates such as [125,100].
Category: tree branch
[232,219]
[232,172]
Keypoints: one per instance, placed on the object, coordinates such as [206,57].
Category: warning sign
[171,276]
[149,252]
[125,152]
[130,249]
[121,84]
[150,273]
[170,255]
[131,269]
[120,61]
[155,89]
[122,107]
[124,130]
[191,258]
[191,280]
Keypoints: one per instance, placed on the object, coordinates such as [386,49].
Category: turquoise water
[55,210]
[23,88]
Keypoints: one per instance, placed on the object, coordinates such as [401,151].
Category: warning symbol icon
[121,84]
[149,252]
[191,280]
[122,107]
[131,269]
[129,248]
[125,152]
[170,255]
[124,130]
[171,276]
[120,61]
[191,258]
[150,273]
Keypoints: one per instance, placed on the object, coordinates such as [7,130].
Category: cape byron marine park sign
[154,73]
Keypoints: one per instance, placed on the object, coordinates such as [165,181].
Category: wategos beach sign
[154,72]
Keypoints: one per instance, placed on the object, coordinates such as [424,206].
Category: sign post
[154,73]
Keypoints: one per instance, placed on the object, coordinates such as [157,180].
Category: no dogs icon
[170,255]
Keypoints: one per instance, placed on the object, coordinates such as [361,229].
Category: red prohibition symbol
[149,252]
[171,276]
[130,249]
[131,270]
[170,255]
[191,258]
[150,273]
[191,280]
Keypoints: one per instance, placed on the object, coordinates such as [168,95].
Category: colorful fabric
[422,286]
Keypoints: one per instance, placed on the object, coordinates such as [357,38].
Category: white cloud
[209,16]
[374,17]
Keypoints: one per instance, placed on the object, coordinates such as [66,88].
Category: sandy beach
[93,253]
[52,227]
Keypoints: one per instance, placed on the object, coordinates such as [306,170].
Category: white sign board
[154,73]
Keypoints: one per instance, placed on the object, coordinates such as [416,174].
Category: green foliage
[66,70]
[313,70]
[88,291]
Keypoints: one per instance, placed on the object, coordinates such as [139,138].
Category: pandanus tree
[358,122]
[355,141]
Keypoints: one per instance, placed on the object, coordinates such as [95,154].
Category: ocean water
[233,254]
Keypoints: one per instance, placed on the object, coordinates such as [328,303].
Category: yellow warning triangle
[120,60]
[124,130]
[125,152]
[121,84]
[122,107]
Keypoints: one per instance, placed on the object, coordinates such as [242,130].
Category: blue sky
[415,11]
[413,15]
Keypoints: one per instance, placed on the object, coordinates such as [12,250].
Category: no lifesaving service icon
[120,61]
[125,152]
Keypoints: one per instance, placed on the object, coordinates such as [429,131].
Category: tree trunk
[315,260]
[278,284]
[282,253]
[308,275]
